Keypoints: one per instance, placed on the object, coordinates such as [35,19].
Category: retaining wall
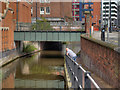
[101,58]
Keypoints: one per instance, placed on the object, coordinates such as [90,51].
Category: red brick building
[52,11]
[8,19]
[96,14]
[24,12]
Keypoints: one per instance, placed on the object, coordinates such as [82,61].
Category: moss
[78,54]
[65,43]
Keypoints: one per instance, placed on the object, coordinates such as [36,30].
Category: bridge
[47,35]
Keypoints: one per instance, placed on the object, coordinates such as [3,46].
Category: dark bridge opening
[54,46]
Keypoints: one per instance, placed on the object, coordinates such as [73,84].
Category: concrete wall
[19,46]
[34,43]
[102,59]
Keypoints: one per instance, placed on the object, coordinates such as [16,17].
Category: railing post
[79,75]
[87,84]
[20,27]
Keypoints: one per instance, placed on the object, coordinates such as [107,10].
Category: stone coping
[102,43]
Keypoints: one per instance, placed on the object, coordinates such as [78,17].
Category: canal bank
[23,48]
[6,60]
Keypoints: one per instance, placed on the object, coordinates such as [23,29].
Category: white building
[106,10]
[119,14]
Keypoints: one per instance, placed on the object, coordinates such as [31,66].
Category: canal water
[41,70]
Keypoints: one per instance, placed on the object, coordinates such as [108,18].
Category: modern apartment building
[119,14]
[76,10]
[106,11]
[52,11]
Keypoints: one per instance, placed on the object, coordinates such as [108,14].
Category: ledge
[102,43]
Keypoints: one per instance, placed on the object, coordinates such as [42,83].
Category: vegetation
[78,54]
[42,25]
[29,48]
[80,29]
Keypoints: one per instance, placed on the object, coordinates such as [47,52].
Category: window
[76,13]
[47,10]
[47,1]
[31,11]
[42,1]
[41,10]
[76,0]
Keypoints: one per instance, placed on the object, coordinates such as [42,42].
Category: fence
[7,53]
[33,26]
[79,77]
[65,23]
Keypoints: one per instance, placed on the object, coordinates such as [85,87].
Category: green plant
[80,29]
[29,48]
[41,25]
[78,54]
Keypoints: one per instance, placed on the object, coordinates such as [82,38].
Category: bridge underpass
[47,35]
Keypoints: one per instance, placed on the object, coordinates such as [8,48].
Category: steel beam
[47,35]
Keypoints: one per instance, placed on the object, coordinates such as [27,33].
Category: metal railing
[46,26]
[65,23]
[79,77]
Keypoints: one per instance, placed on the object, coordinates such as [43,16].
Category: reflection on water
[41,70]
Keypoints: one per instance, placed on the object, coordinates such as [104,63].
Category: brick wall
[96,14]
[24,16]
[8,35]
[102,59]
[24,12]
[57,9]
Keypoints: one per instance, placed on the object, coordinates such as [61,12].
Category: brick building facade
[8,19]
[96,14]
[52,11]
[24,12]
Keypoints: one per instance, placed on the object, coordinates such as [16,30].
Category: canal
[41,70]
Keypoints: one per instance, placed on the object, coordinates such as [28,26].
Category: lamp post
[110,17]
[36,15]
[36,10]
[17,14]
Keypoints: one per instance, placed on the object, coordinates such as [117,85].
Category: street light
[109,17]
[17,14]
[36,15]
